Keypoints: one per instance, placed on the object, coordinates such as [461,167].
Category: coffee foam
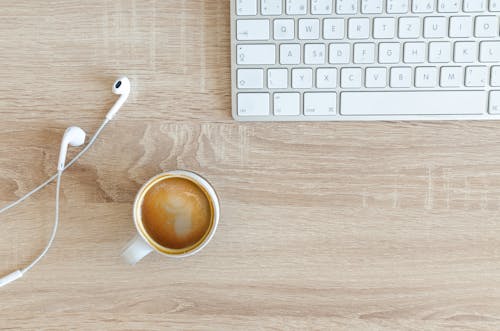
[176,213]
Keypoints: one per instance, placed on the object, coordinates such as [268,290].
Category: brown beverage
[176,213]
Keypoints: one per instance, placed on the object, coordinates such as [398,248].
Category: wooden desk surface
[335,226]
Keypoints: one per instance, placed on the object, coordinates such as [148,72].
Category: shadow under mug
[143,244]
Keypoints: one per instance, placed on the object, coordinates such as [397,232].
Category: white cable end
[10,277]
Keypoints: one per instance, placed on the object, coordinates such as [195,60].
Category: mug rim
[208,188]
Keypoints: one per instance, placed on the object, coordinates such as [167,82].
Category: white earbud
[122,88]
[73,136]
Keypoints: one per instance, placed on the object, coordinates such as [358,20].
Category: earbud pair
[75,136]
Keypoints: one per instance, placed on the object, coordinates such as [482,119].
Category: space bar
[413,103]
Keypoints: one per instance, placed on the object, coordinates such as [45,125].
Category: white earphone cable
[70,163]
[54,228]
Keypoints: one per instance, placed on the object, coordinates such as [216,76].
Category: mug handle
[135,250]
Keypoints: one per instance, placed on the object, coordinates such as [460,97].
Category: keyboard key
[414,52]
[400,77]
[460,27]
[326,78]
[256,54]
[351,77]
[423,6]
[494,106]
[347,7]
[286,104]
[270,7]
[474,5]
[289,53]
[284,29]
[465,51]
[495,5]
[321,7]
[333,28]
[425,77]
[359,28]
[409,27]
[246,7]
[448,6]
[364,53]
[296,7]
[476,76]
[302,78]
[250,78]
[397,6]
[383,28]
[253,104]
[490,51]
[486,26]
[372,6]
[314,53]
[451,76]
[252,29]
[495,76]
[435,27]
[320,103]
[389,52]
[413,103]
[309,29]
[339,53]
[376,77]
[439,52]
[277,78]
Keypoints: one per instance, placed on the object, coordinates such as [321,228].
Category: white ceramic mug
[143,244]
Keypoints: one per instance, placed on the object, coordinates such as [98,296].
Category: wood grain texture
[325,226]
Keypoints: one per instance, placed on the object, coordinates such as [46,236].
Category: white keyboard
[337,60]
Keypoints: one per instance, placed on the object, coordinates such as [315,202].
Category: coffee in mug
[175,213]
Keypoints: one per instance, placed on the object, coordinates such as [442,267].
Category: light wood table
[325,226]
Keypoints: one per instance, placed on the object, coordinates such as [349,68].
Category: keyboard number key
[321,7]
[397,6]
[347,7]
[296,7]
[320,103]
[372,6]
[286,104]
[246,7]
[448,6]
[277,78]
[253,104]
[270,7]
[326,78]
[423,6]
[474,5]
